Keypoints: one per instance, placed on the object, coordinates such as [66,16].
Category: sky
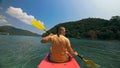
[20,13]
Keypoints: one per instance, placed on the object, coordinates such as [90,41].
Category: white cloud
[3,21]
[19,14]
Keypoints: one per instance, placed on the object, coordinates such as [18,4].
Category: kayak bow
[45,63]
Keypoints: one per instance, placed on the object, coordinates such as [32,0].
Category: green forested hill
[92,28]
[15,31]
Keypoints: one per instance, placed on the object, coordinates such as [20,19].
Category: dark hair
[58,30]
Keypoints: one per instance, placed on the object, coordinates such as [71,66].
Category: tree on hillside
[92,34]
[115,18]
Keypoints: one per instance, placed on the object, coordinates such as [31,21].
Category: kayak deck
[45,63]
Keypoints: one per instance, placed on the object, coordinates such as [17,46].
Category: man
[60,46]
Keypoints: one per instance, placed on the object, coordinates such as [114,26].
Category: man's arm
[70,50]
[46,39]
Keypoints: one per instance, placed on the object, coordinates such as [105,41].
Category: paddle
[89,63]
[39,25]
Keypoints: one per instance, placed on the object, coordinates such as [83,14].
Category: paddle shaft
[80,57]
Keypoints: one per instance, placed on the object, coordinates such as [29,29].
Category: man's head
[61,30]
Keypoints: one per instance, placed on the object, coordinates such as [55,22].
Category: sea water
[27,51]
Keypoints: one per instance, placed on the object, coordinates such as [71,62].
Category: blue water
[27,52]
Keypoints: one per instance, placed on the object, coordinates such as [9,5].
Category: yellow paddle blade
[91,64]
[38,25]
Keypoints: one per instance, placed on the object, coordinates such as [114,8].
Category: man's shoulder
[54,36]
[66,38]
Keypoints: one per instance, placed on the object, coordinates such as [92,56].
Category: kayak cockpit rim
[48,59]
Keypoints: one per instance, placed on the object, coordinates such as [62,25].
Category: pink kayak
[45,63]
